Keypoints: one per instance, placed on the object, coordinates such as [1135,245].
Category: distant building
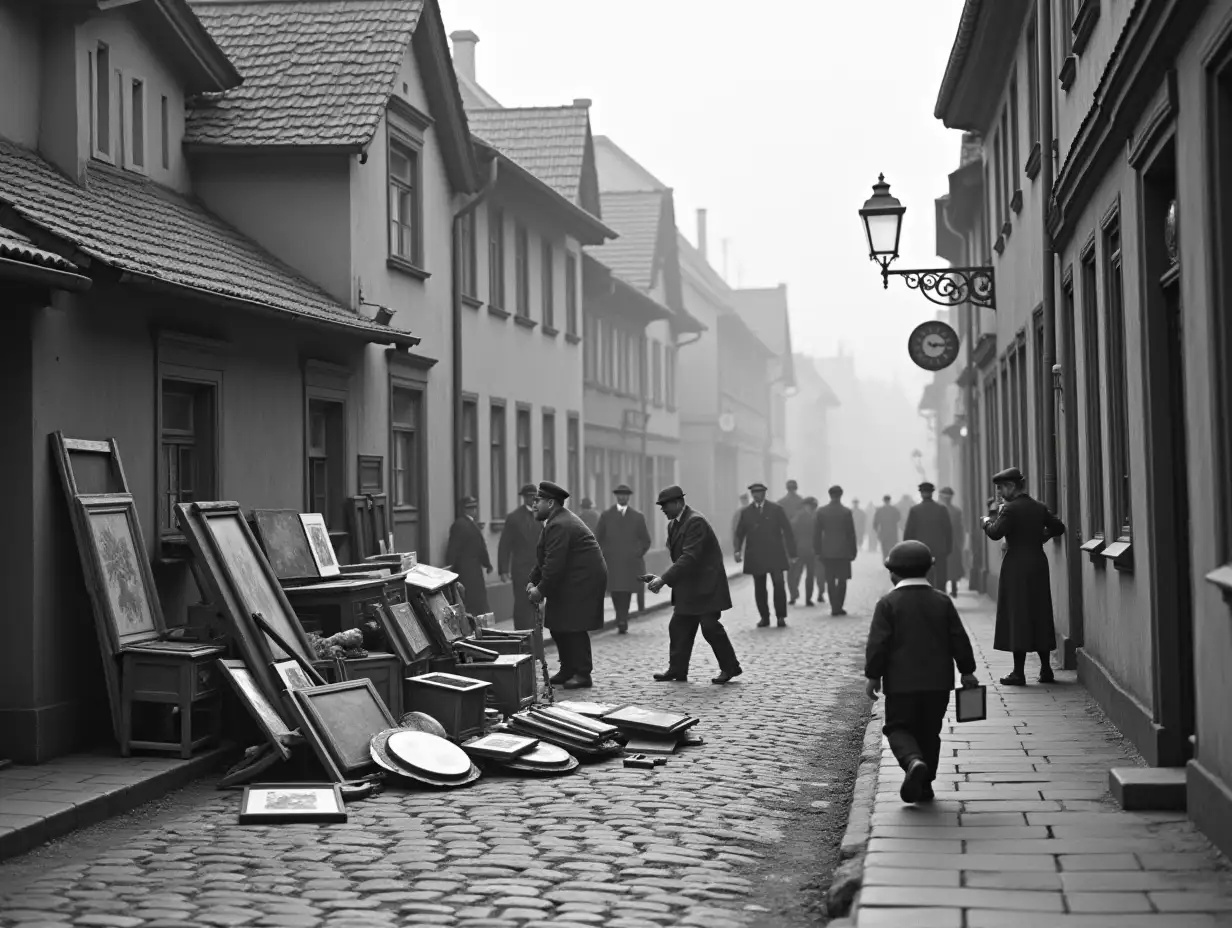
[809,428]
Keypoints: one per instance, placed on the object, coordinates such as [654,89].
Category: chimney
[464,42]
[583,102]
[701,233]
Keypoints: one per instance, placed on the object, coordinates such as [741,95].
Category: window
[1008,431]
[1014,182]
[404,205]
[669,363]
[523,450]
[187,452]
[101,86]
[496,451]
[470,448]
[165,130]
[656,372]
[622,362]
[326,461]
[406,415]
[590,351]
[548,286]
[1092,392]
[136,124]
[999,169]
[573,441]
[522,270]
[1117,389]
[1007,178]
[1065,28]
[1024,416]
[596,474]
[992,429]
[1033,100]
[571,294]
[468,255]
[549,445]
[1041,378]
[496,258]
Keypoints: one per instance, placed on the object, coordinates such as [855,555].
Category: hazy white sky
[775,116]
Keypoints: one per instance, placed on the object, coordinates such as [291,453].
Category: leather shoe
[578,682]
[671,676]
[764,623]
[914,782]
[622,629]
[838,612]
[1013,679]
[1047,676]
[726,675]
[782,623]
[557,679]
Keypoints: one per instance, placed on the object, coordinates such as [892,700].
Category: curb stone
[845,886]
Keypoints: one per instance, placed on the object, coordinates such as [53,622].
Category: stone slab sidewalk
[1024,831]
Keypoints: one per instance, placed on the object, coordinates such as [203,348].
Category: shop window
[188,432]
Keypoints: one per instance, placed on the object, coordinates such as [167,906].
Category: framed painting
[405,632]
[345,716]
[292,803]
[261,709]
[118,571]
[318,541]
[292,675]
[451,617]
[285,543]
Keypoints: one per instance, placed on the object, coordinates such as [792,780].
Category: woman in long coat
[1024,594]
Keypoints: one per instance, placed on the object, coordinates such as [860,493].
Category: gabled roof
[552,142]
[136,226]
[319,73]
[765,311]
[638,217]
[614,161]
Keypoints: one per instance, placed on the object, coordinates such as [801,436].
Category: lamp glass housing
[883,223]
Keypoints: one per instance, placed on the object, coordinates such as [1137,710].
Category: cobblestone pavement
[742,830]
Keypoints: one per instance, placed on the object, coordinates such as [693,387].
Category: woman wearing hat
[1024,593]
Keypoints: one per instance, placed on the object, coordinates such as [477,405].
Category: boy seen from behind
[915,640]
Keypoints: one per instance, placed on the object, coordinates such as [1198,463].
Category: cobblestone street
[742,830]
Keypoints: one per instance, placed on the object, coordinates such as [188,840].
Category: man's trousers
[806,565]
[682,632]
[573,650]
[780,594]
[913,726]
[620,601]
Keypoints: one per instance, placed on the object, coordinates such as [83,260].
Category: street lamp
[948,286]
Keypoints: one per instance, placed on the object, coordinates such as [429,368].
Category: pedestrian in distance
[700,595]
[766,545]
[885,525]
[624,540]
[1024,590]
[466,554]
[805,563]
[589,514]
[957,567]
[740,507]
[929,522]
[834,541]
[870,527]
[571,575]
[860,519]
[793,502]
[515,558]
[914,643]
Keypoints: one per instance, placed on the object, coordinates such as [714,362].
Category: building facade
[765,310]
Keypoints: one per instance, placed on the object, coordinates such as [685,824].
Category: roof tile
[316,72]
[550,142]
[17,247]
[637,217]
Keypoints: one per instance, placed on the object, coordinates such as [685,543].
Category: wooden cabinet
[181,676]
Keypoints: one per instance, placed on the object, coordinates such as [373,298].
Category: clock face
[933,345]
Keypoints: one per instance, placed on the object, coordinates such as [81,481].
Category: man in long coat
[805,563]
[766,545]
[624,540]
[793,502]
[589,514]
[571,575]
[861,520]
[466,554]
[834,541]
[885,525]
[698,578]
[515,555]
[929,522]
[958,555]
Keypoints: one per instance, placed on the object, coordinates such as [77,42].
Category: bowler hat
[926,487]
[469,501]
[912,556]
[623,488]
[836,490]
[1009,475]
[667,494]
[549,490]
[528,489]
[754,487]
[947,491]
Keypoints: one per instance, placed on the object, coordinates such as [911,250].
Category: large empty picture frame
[345,716]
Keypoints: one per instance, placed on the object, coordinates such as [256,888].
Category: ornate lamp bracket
[950,286]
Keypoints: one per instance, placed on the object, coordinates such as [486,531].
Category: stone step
[1148,788]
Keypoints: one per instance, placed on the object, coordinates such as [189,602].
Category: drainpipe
[1044,21]
[459,490]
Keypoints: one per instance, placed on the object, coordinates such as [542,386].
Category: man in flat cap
[466,554]
[958,554]
[928,521]
[885,525]
[698,578]
[515,556]
[571,575]
[767,546]
[624,540]
[834,541]
[802,525]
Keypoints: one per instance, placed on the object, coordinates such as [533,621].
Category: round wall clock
[933,345]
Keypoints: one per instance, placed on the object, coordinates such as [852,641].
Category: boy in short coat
[915,640]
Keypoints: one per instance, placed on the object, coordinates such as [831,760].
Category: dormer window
[135,123]
[100,93]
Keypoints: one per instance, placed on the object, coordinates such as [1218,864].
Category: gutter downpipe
[456,343]
[1044,19]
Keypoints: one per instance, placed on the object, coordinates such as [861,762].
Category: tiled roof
[637,217]
[765,311]
[316,72]
[17,247]
[135,225]
[550,141]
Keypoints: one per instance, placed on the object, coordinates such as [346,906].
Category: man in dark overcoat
[515,555]
[624,540]
[958,555]
[885,525]
[793,502]
[766,545]
[834,542]
[466,554]
[805,563]
[571,575]
[860,518]
[929,522]
[698,578]
[589,514]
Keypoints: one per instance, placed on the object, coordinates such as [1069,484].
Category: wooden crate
[455,701]
[512,677]
[385,672]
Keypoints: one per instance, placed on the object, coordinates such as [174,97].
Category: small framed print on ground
[292,803]
[971,703]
